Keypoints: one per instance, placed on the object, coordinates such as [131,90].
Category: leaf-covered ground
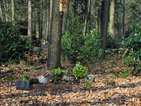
[105,91]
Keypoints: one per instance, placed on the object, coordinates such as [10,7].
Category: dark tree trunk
[104,23]
[4,18]
[54,38]
[123,21]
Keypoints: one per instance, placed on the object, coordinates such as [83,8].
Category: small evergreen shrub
[80,72]
[12,46]
[133,51]
[57,74]
[25,77]
[87,84]
[121,74]
[76,47]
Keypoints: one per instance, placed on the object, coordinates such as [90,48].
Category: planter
[23,85]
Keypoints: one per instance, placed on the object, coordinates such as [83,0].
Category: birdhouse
[63,5]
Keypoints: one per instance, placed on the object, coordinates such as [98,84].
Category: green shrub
[77,47]
[133,52]
[80,71]
[121,74]
[88,84]
[25,77]
[12,46]
[9,77]
[57,74]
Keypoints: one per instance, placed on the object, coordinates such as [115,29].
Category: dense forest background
[89,30]
[70,52]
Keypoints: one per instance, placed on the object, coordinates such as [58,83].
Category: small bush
[121,74]
[57,74]
[133,51]
[80,71]
[76,47]
[9,77]
[25,77]
[88,84]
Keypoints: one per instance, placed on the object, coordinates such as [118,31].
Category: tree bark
[45,20]
[54,38]
[112,18]
[13,10]
[3,7]
[86,19]
[104,24]
[123,21]
[65,18]
[29,19]
[0,12]
[39,19]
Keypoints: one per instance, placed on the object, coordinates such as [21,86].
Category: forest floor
[105,91]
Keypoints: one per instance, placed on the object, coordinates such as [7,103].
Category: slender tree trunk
[45,18]
[104,24]
[39,17]
[123,21]
[50,15]
[54,38]
[13,10]
[1,12]
[86,19]
[117,16]
[93,11]
[29,19]
[37,23]
[48,18]
[112,18]
[65,18]
[97,13]
[3,7]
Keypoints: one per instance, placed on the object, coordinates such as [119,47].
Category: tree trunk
[54,38]
[97,13]
[45,19]
[93,11]
[104,24]
[3,7]
[123,21]
[29,19]
[65,18]
[86,19]
[39,17]
[13,10]
[112,16]
[0,12]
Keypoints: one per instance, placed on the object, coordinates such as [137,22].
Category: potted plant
[23,84]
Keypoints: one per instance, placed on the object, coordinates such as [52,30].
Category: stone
[67,78]
[42,79]
[23,85]
[90,77]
